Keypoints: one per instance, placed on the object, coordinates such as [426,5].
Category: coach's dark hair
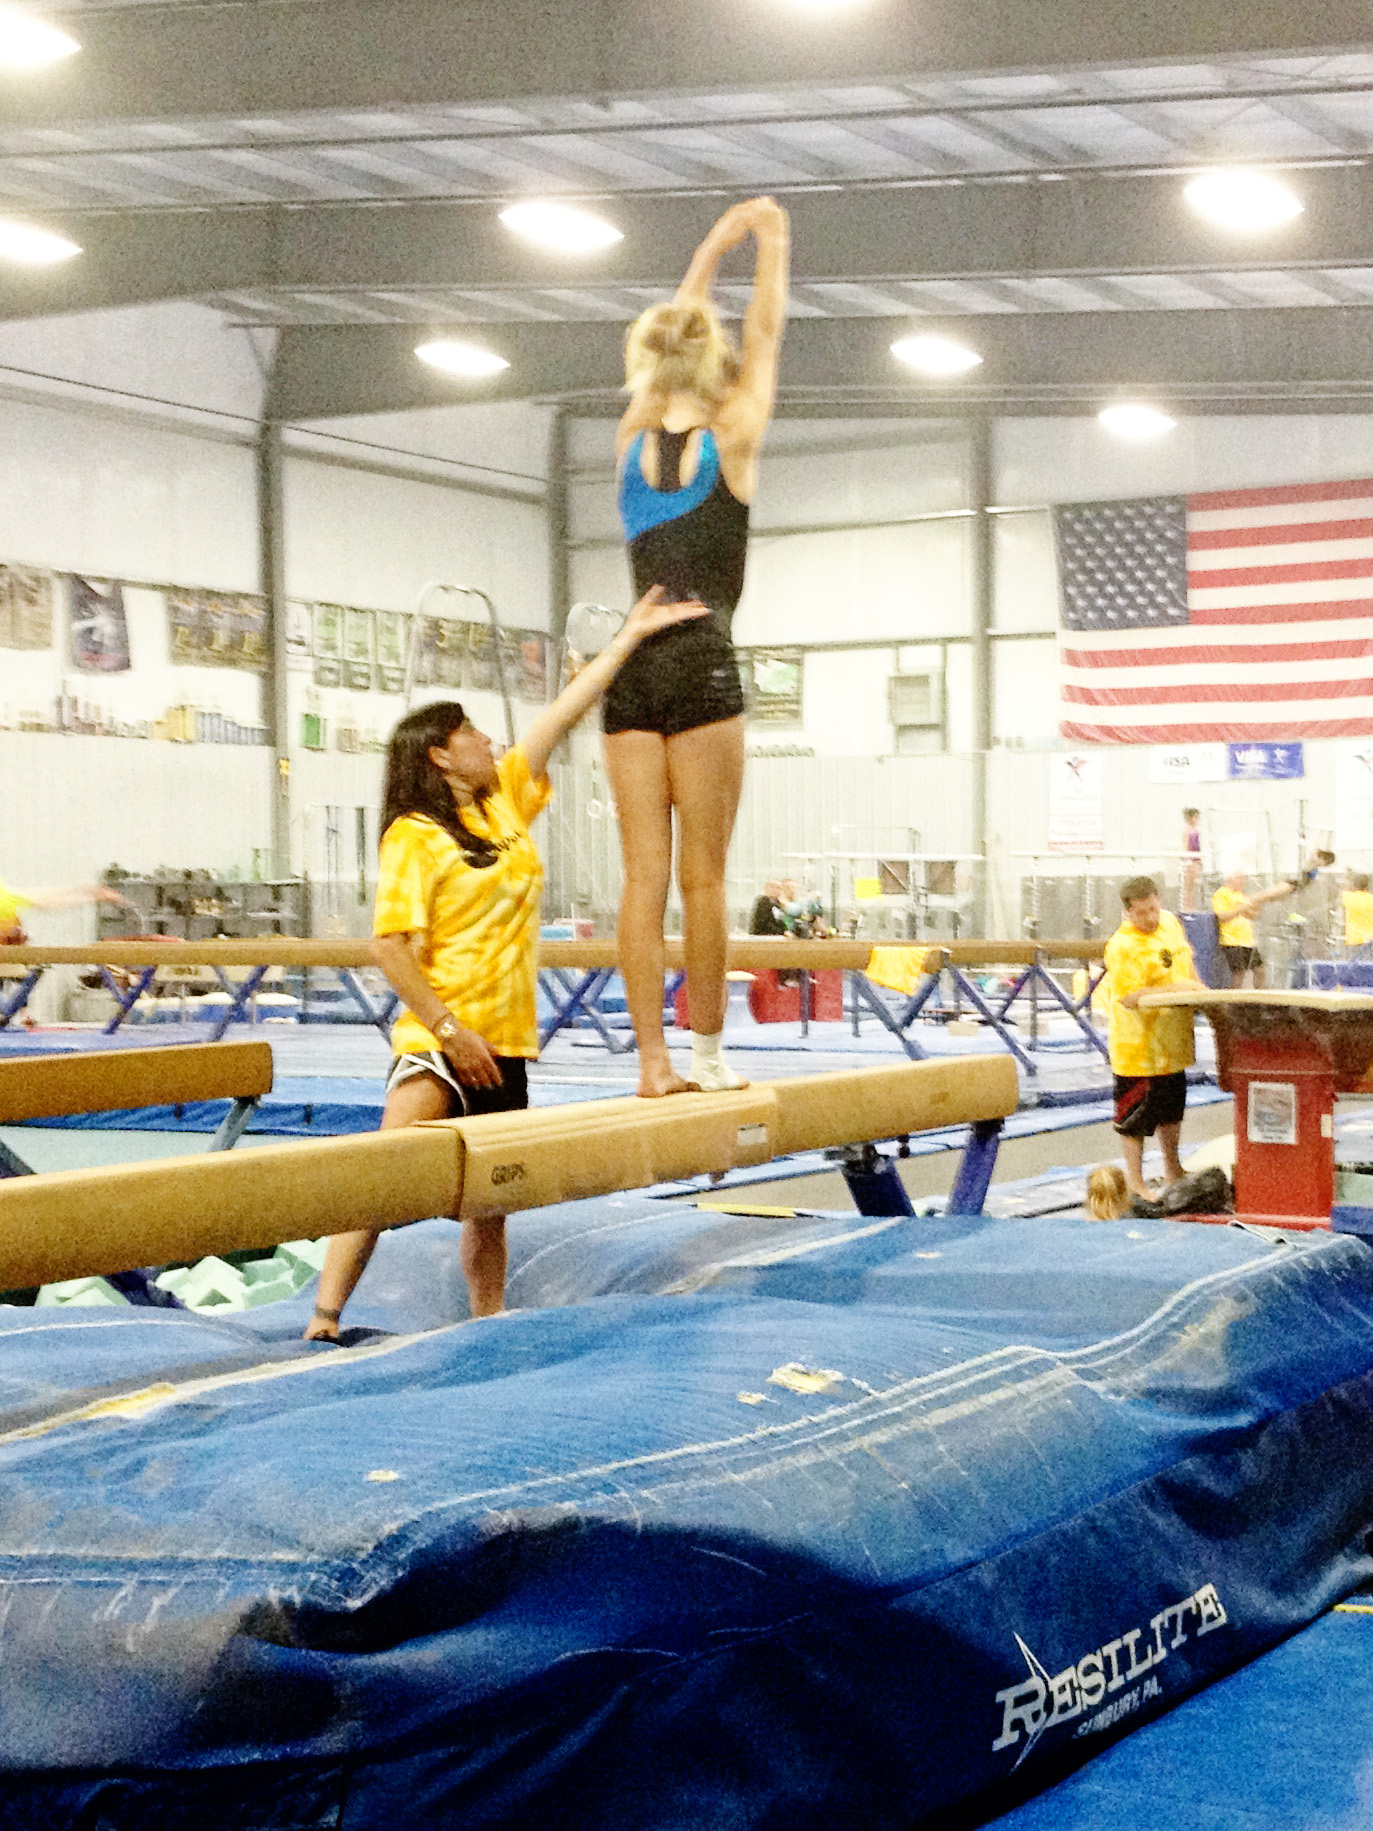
[415,786]
[1191,813]
[1135,889]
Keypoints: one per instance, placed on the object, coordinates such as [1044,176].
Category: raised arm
[648,616]
[729,231]
[766,317]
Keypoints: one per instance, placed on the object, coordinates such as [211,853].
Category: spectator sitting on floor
[1108,1197]
[767,917]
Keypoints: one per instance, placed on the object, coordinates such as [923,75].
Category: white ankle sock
[709,1069]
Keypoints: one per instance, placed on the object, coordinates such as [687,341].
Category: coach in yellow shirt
[1358,912]
[1150,1051]
[456,931]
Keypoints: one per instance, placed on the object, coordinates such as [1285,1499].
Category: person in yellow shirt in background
[1358,911]
[14,902]
[1235,912]
[456,932]
[1150,1051]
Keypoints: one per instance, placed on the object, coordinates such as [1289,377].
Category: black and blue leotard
[691,540]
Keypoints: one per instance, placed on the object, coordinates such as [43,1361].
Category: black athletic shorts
[1240,959]
[683,677]
[512,1096]
[1144,1102]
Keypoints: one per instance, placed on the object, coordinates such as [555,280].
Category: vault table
[1285,1056]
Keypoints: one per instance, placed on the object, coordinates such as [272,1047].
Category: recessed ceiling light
[560,226]
[1243,200]
[26,42]
[34,247]
[1134,420]
[935,355]
[456,358]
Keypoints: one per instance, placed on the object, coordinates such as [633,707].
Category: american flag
[1239,614]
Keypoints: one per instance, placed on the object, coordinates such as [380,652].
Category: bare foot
[321,1331]
[654,1083]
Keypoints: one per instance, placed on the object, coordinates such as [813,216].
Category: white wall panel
[147,355]
[73,805]
[1026,572]
[1076,460]
[903,582]
[509,439]
[112,499]
[373,541]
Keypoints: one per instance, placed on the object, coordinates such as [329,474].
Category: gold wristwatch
[447,1028]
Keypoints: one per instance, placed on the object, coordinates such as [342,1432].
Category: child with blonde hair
[1108,1198]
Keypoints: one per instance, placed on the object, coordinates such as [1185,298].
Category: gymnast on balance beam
[456,931]
[688,447]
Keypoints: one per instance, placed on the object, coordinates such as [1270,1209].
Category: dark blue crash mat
[864,1547]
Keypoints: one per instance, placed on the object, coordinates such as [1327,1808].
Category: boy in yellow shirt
[1150,1051]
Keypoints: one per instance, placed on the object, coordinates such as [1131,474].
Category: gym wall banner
[1075,819]
[95,622]
[26,600]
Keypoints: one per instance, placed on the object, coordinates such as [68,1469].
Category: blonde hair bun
[680,349]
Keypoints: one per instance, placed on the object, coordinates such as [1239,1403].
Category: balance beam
[113,1080]
[754,954]
[79,1223]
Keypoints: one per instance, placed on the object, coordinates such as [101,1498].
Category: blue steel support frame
[898,1023]
[12,1164]
[233,1125]
[576,998]
[125,1000]
[381,1014]
[12,1006]
[237,1012]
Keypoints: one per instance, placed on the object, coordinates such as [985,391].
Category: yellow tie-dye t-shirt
[1149,1042]
[479,922]
[1358,917]
[1235,931]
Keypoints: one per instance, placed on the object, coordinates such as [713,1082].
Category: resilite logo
[1122,1671]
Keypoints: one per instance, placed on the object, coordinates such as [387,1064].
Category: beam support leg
[974,1177]
[874,1183]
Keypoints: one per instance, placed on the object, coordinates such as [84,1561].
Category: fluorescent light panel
[27,43]
[1135,420]
[935,356]
[560,226]
[34,247]
[1245,201]
[455,358]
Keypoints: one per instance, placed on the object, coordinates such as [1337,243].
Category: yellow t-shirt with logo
[1239,931]
[1149,1042]
[1358,917]
[10,904]
[479,922]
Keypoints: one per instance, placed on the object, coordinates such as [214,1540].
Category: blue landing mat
[723,1558]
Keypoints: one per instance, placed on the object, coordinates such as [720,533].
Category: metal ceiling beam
[1083,225]
[1309,360]
[156,63]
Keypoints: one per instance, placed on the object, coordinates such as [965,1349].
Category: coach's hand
[472,1060]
